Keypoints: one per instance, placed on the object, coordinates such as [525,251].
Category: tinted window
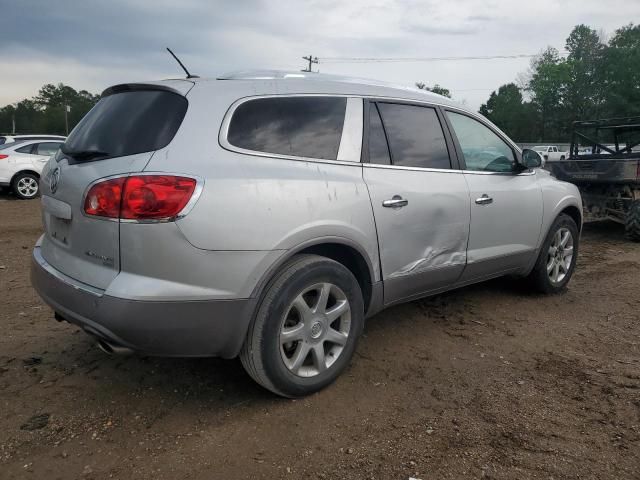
[378,148]
[2,140]
[483,150]
[415,136]
[25,149]
[298,126]
[126,123]
[47,148]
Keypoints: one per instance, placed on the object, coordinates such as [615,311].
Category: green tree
[584,93]
[595,80]
[45,113]
[507,109]
[621,73]
[547,87]
[440,90]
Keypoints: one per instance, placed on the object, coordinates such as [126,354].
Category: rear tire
[306,328]
[26,186]
[632,221]
[557,258]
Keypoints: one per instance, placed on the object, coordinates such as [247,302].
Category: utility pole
[311,59]
[67,109]
[14,107]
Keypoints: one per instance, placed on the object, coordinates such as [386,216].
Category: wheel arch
[26,170]
[575,213]
[340,249]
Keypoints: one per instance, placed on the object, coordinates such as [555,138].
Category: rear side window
[416,138]
[25,149]
[47,148]
[297,126]
[127,123]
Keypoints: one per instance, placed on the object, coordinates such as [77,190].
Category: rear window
[297,126]
[127,123]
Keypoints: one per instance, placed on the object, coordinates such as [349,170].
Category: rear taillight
[2,157]
[104,198]
[140,197]
[155,196]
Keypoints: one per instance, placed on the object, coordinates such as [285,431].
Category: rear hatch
[117,137]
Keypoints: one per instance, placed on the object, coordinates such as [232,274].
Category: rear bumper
[163,328]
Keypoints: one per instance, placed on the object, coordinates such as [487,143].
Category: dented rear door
[420,201]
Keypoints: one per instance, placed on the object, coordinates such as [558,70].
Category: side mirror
[532,159]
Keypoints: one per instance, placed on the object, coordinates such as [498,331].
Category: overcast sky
[93,44]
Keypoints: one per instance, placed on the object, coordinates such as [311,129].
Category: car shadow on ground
[224,383]
[6,194]
[605,230]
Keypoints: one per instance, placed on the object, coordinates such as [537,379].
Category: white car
[21,164]
[6,139]
[550,153]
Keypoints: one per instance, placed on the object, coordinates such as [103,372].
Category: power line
[421,59]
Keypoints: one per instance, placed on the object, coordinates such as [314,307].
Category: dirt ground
[485,382]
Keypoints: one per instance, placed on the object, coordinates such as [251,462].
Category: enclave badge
[54,180]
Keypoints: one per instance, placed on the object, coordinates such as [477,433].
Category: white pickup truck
[550,152]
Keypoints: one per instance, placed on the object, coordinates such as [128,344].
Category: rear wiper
[85,154]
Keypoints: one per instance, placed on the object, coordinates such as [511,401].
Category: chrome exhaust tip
[112,349]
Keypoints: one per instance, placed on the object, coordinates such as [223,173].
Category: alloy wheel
[560,255]
[27,186]
[315,329]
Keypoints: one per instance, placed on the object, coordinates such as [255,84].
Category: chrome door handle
[484,200]
[396,202]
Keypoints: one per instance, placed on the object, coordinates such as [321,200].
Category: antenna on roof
[180,63]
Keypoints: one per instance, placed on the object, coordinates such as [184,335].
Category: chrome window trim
[511,174]
[417,169]
[447,170]
[185,210]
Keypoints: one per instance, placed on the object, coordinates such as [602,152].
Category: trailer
[604,162]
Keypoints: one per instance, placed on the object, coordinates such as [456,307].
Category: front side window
[415,136]
[308,127]
[483,150]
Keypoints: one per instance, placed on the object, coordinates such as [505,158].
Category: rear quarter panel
[258,203]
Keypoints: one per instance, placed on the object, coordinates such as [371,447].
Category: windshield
[127,123]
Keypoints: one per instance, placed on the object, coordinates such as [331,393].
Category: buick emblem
[54,180]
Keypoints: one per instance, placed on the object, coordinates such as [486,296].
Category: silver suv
[267,214]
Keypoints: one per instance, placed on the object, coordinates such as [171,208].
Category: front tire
[557,258]
[632,221]
[306,329]
[26,186]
